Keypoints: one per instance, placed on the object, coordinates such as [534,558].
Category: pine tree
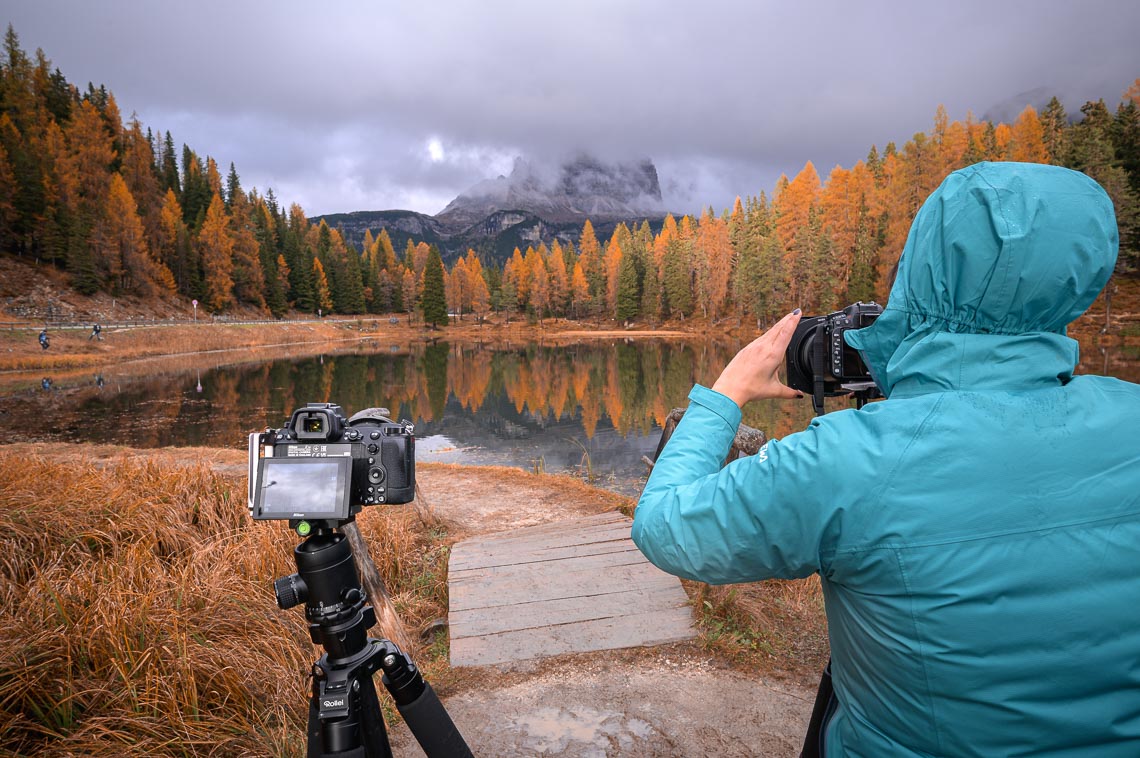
[233,185]
[170,177]
[299,260]
[1054,122]
[628,289]
[676,279]
[434,303]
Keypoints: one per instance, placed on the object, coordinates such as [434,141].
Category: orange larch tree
[1027,143]
[215,250]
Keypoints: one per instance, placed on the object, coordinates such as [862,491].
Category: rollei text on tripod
[317,472]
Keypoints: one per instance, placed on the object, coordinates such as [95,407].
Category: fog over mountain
[582,187]
[538,202]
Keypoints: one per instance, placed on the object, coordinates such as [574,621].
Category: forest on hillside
[122,211]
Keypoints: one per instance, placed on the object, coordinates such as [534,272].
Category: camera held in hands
[323,467]
[820,362]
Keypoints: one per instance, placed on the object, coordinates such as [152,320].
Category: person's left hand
[753,374]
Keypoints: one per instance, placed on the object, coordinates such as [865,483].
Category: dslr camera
[820,363]
[323,467]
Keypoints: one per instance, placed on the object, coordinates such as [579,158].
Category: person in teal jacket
[977,533]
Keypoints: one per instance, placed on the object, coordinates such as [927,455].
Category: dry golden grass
[137,615]
[775,625]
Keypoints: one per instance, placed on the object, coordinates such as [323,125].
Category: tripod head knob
[290,591]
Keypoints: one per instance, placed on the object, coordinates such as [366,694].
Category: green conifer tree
[433,302]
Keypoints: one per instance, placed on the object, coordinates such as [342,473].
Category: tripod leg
[373,733]
[358,733]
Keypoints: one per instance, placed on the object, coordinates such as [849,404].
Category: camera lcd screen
[294,488]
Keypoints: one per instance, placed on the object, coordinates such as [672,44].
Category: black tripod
[344,711]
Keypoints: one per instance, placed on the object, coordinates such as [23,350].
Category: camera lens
[375,474]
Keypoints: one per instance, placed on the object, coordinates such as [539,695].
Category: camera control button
[373,448]
[375,435]
[371,461]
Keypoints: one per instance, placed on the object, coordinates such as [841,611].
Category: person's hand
[753,373]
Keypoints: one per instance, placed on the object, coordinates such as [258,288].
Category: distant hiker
[44,343]
[95,333]
[46,383]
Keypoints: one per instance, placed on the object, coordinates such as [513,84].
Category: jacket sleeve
[762,517]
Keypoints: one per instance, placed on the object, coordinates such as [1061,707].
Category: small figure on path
[46,383]
[44,343]
[96,333]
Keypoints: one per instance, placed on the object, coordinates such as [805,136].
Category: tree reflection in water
[486,404]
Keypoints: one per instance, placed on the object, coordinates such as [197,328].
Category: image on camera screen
[314,487]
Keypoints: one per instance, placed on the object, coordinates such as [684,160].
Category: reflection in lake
[591,409]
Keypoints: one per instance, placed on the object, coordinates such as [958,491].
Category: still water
[592,410]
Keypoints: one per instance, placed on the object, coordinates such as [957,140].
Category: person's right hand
[753,374]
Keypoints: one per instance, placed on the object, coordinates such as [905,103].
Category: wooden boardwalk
[567,587]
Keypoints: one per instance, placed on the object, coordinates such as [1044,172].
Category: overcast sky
[345,106]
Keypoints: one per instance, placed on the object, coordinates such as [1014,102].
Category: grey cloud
[334,106]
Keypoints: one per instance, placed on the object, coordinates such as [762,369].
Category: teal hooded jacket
[977,532]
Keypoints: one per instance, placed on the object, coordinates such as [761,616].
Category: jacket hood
[1000,258]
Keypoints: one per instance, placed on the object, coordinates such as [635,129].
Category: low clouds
[361,106]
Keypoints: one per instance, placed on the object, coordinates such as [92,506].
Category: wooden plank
[520,552]
[490,593]
[557,529]
[572,586]
[554,561]
[635,630]
[473,622]
[506,562]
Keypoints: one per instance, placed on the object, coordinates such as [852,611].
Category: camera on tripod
[318,471]
[821,363]
[323,467]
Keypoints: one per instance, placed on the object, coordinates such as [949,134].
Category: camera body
[820,362]
[321,466]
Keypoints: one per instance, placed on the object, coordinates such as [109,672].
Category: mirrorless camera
[323,467]
[819,361]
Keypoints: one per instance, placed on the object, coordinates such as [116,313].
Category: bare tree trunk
[386,617]
[1108,306]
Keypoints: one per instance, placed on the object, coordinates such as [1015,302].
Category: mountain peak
[579,188]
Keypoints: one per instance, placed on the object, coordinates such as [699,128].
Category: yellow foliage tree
[215,250]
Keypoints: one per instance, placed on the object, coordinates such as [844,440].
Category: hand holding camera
[753,374]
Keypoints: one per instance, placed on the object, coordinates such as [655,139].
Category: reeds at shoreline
[137,614]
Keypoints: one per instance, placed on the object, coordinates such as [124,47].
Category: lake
[591,409]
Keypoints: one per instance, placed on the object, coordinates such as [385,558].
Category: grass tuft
[137,612]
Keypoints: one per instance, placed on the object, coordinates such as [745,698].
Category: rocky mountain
[534,204]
